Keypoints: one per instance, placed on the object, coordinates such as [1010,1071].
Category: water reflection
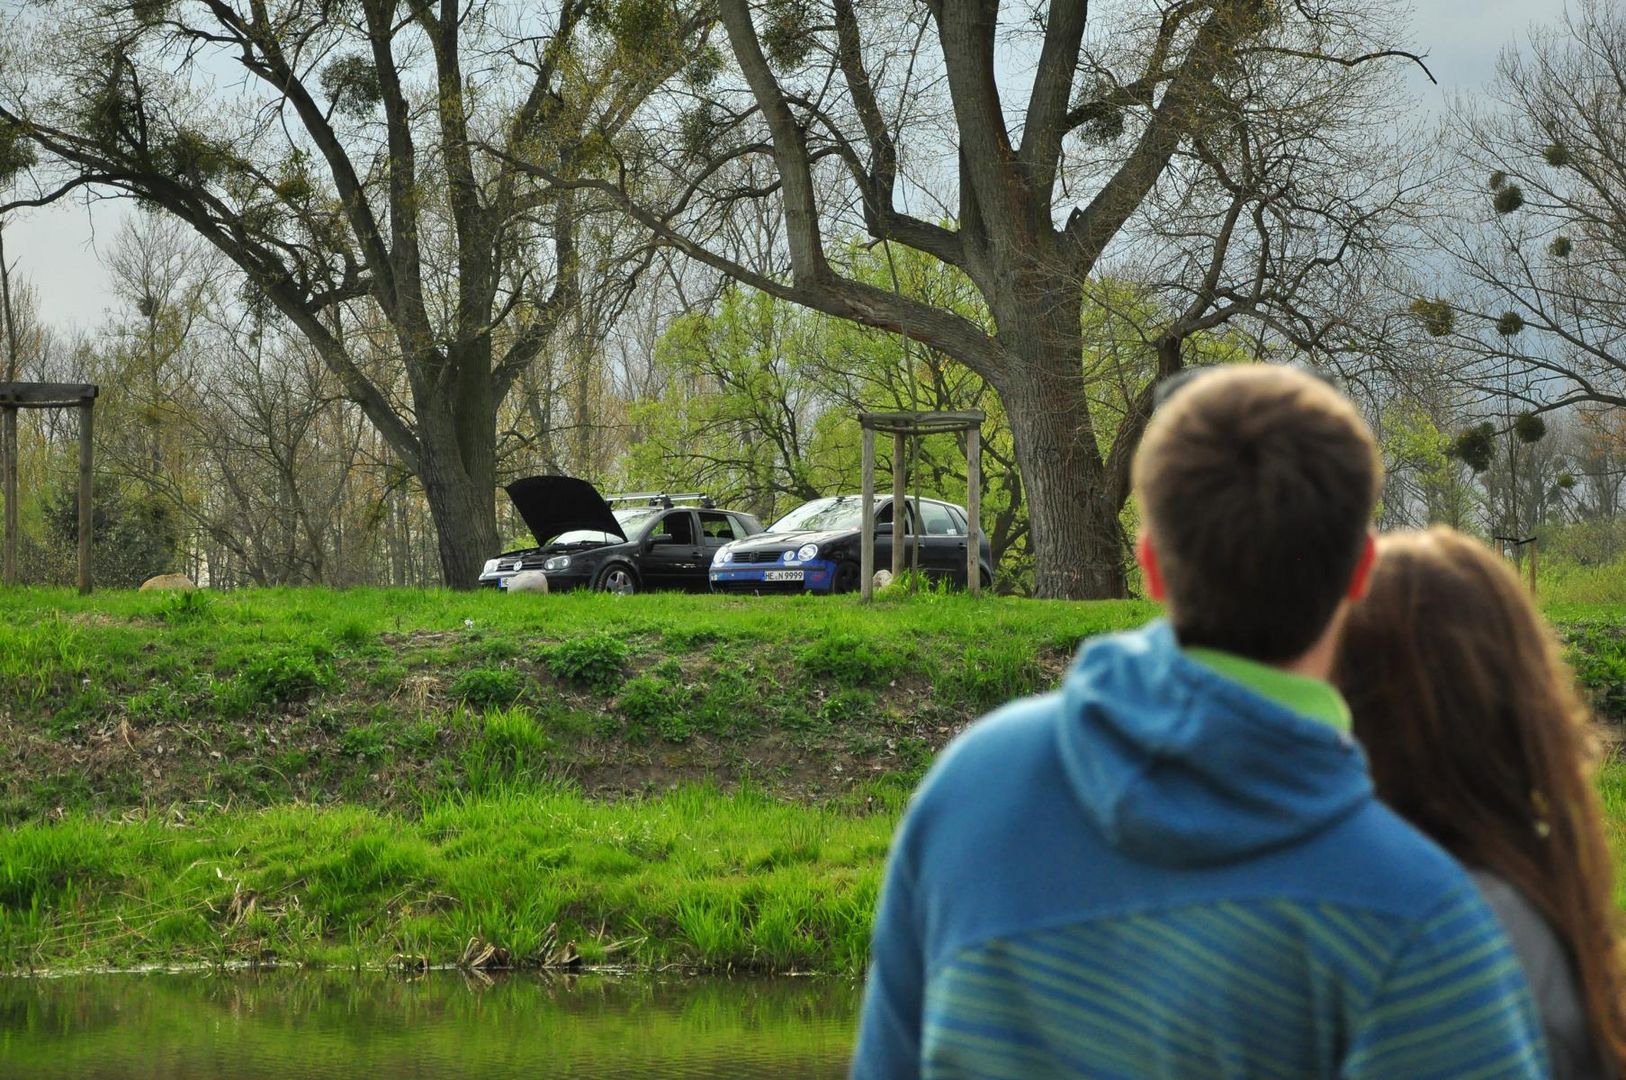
[302,1026]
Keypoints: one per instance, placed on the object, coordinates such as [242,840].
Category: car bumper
[815,575]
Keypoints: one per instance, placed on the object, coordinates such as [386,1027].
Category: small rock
[534,581]
[174,582]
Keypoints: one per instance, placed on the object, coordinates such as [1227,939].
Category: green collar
[1309,697]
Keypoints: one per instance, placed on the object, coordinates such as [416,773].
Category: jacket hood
[1178,765]
[552,505]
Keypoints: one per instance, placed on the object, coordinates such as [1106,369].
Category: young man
[1174,865]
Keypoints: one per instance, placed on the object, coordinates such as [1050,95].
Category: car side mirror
[659,538]
[884,529]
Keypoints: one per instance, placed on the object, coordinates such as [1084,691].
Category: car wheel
[846,577]
[617,578]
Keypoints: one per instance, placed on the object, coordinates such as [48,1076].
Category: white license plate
[502,583]
[782,575]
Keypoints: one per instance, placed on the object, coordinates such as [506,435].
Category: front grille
[758,557]
[758,587]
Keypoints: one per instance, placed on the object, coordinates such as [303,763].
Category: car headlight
[490,567]
[558,562]
[725,555]
[807,551]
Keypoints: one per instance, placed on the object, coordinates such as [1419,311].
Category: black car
[646,541]
[814,548]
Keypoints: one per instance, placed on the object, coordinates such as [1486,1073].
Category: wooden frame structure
[915,425]
[35,395]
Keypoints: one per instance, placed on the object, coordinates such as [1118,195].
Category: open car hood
[552,505]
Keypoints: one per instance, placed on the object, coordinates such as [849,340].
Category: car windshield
[822,515]
[632,519]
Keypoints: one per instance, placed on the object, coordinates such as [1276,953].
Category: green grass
[694,877]
[128,701]
[342,778]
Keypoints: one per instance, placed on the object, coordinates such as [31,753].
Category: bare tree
[1535,303]
[341,174]
[892,121]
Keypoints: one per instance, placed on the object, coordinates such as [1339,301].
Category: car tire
[846,578]
[616,578]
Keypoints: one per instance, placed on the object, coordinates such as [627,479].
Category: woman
[1476,735]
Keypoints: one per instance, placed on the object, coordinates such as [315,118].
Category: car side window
[718,528]
[937,520]
[883,516]
[679,525]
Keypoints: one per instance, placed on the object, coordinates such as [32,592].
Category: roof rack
[664,499]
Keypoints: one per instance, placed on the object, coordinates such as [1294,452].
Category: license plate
[782,575]
[502,583]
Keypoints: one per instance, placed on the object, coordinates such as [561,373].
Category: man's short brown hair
[1256,485]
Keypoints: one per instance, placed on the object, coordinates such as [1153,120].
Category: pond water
[303,1026]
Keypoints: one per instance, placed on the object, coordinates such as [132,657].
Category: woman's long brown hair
[1476,735]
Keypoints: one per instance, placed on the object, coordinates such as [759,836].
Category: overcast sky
[57,249]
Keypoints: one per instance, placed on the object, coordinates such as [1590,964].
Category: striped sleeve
[1453,1004]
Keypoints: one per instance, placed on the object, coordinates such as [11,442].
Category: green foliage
[281,678]
[596,661]
[511,736]
[1598,654]
[187,607]
[1509,323]
[351,82]
[365,741]
[487,687]
[1529,427]
[133,536]
[1474,446]
[1100,121]
[987,676]
[16,151]
[1556,155]
[1437,316]
[787,39]
[851,660]
[1507,199]
[150,13]
[1560,247]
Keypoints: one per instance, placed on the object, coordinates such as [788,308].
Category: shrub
[850,660]
[282,678]
[596,661]
[364,741]
[487,688]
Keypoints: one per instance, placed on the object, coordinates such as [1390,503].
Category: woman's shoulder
[1551,975]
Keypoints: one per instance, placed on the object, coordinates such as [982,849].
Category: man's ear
[1362,577]
[1149,568]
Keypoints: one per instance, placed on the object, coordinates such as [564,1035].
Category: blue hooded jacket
[1156,872]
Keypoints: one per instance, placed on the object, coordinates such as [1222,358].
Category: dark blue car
[814,548]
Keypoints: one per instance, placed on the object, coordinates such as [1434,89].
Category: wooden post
[973,509]
[866,543]
[899,506]
[8,426]
[8,451]
[86,410]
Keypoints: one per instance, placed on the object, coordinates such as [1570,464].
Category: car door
[673,557]
[717,527]
[942,543]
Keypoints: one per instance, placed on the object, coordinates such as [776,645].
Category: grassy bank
[391,699]
[410,777]
[539,878]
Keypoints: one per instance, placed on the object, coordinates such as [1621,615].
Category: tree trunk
[458,468]
[1078,544]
